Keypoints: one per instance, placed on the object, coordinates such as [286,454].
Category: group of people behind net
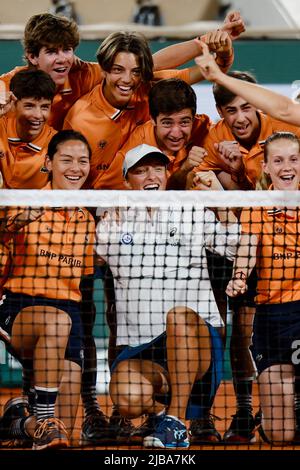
[129,122]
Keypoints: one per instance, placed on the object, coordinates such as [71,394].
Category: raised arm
[177,54]
[272,103]
[218,42]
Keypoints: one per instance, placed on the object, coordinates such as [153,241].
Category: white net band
[92,198]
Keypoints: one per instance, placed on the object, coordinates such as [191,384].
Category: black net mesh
[174,316]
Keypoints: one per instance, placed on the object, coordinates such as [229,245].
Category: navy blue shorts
[11,304]
[203,391]
[276,333]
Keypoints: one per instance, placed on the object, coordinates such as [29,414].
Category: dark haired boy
[24,132]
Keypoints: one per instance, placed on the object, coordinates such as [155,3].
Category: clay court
[223,409]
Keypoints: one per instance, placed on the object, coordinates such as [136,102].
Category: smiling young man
[174,128]
[235,144]
[24,133]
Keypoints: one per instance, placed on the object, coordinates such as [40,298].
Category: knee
[183,316]
[64,321]
[130,393]
[63,324]
[57,329]
[129,399]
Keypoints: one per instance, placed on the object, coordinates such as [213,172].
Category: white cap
[136,154]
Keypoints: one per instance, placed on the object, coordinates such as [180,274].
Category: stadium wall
[272,61]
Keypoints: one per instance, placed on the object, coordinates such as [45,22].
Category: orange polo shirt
[252,158]
[52,253]
[82,78]
[278,256]
[145,134]
[22,163]
[107,128]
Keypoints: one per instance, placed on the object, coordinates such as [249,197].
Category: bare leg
[189,355]
[42,332]
[67,399]
[69,394]
[276,390]
[241,359]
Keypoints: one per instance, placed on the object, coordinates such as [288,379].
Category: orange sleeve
[252,220]
[3,212]
[184,74]
[201,127]
[278,126]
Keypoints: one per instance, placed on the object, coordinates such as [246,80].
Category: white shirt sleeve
[221,238]
[104,231]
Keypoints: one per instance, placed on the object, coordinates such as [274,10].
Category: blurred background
[176,17]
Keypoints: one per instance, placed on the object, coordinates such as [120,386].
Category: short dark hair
[222,95]
[279,136]
[32,83]
[65,136]
[45,29]
[126,41]
[170,96]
